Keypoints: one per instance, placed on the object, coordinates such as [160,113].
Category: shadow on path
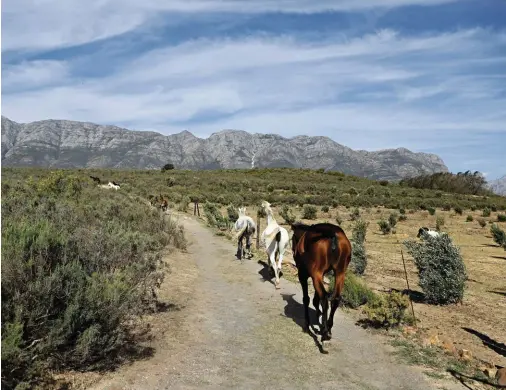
[495,346]
[295,311]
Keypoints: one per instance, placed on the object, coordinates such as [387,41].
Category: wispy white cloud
[35,25]
[33,75]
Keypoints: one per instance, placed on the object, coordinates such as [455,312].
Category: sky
[428,75]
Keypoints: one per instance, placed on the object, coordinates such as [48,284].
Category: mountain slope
[67,144]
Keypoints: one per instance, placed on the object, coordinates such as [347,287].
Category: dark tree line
[462,182]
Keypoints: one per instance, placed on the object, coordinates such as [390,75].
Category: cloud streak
[433,90]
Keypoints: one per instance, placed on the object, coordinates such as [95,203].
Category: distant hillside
[68,144]
[498,186]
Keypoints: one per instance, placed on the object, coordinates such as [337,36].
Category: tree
[167,167]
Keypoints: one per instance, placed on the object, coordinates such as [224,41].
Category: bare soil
[230,328]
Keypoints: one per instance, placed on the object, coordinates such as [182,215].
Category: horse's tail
[241,232]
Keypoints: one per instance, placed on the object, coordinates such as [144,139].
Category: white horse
[245,227]
[425,232]
[275,239]
[110,185]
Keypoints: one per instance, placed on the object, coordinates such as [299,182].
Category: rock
[489,372]
[465,355]
[500,376]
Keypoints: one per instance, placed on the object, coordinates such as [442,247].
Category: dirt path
[234,330]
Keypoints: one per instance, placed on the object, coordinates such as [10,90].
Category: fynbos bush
[498,235]
[431,210]
[440,221]
[486,212]
[355,214]
[501,217]
[355,292]
[287,215]
[384,226]
[233,214]
[309,212]
[482,222]
[360,231]
[441,269]
[469,218]
[388,310]
[78,262]
[358,258]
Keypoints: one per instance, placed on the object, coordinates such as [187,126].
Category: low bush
[339,219]
[287,215]
[403,217]
[458,210]
[498,235]
[360,231]
[384,226]
[431,210]
[482,222]
[355,292]
[388,310]
[440,221]
[392,220]
[309,212]
[214,216]
[501,217]
[355,214]
[486,212]
[325,209]
[441,269]
[469,218]
[358,258]
[78,264]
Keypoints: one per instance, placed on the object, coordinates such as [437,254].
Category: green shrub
[370,191]
[353,191]
[287,215]
[214,216]
[325,209]
[392,220]
[360,231]
[309,212]
[431,210]
[469,218]
[486,212]
[498,235]
[183,205]
[355,292]
[458,210]
[447,207]
[440,221]
[501,217]
[383,182]
[355,214]
[358,258]
[171,181]
[388,310]
[270,187]
[403,217]
[482,222]
[441,269]
[402,211]
[339,220]
[384,226]
[233,214]
[79,263]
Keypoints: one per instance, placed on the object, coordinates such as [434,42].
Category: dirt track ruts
[235,330]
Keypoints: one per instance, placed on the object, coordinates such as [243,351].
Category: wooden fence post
[258,231]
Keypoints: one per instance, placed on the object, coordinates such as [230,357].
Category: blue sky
[429,75]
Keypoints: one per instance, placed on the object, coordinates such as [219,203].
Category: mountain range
[71,144]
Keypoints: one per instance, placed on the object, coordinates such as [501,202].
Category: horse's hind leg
[305,298]
[239,249]
[272,259]
[322,295]
[336,299]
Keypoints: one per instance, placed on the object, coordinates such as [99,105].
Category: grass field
[71,198]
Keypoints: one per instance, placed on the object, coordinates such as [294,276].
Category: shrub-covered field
[78,262]
[73,251]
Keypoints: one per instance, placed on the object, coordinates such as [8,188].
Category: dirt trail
[235,330]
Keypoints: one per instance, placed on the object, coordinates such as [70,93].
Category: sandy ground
[232,329]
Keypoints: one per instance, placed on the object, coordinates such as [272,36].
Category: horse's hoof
[305,329]
[277,286]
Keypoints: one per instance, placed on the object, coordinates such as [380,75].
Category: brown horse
[318,249]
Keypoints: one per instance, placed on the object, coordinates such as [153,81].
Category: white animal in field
[276,240]
[109,185]
[425,232]
[246,228]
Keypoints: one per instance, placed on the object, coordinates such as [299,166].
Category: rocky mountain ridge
[498,186]
[71,144]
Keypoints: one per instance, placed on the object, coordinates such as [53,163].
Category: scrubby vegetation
[461,183]
[498,235]
[388,310]
[78,263]
[441,269]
